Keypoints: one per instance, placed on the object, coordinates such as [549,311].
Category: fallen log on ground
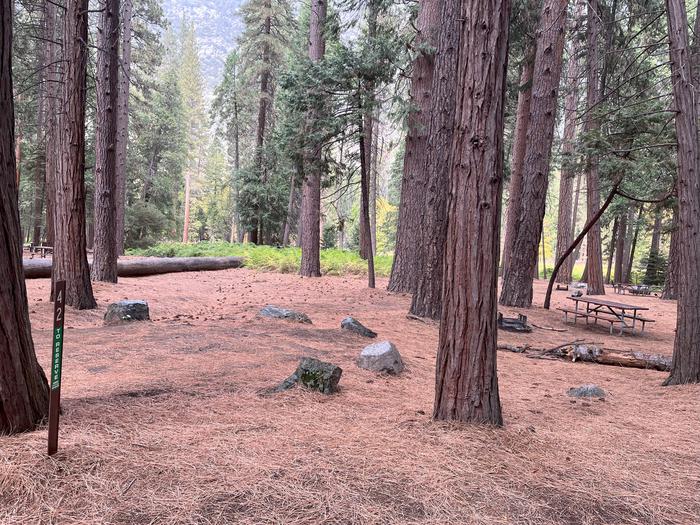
[41,268]
[589,353]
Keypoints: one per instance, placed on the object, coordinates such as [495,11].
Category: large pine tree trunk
[404,272]
[522,120]
[104,264]
[123,120]
[671,285]
[311,193]
[427,298]
[565,228]
[24,391]
[52,51]
[594,262]
[466,381]
[686,352]
[39,190]
[70,256]
[517,279]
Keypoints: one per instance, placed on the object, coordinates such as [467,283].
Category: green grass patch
[269,258]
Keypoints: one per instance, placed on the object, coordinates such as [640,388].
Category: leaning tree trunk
[466,381]
[522,120]
[427,298]
[686,351]
[70,256]
[311,193]
[517,279]
[24,393]
[123,121]
[104,265]
[404,271]
[671,285]
[594,279]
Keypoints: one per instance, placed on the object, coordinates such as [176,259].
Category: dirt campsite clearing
[163,421]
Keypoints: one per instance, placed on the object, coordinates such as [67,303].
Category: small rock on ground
[275,312]
[126,312]
[381,357]
[352,324]
[586,391]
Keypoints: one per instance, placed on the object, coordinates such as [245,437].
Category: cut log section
[595,354]
[41,268]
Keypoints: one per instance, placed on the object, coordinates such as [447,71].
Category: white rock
[381,357]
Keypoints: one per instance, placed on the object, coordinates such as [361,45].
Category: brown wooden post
[56,365]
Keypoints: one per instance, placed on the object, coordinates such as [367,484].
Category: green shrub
[269,258]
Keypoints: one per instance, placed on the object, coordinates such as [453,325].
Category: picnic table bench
[43,250]
[613,313]
[634,289]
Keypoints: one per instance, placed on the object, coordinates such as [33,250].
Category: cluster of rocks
[324,377]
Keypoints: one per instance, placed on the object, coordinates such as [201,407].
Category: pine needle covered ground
[163,422]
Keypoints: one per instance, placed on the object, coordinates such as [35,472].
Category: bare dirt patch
[163,422]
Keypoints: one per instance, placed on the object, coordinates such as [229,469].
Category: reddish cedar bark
[123,120]
[104,264]
[517,279]
[311,193]
[427,298]
[51,151]
[522,120]
[686,352]
[404,271]
[466,379]
[70,251]
[24,391]
[594,261]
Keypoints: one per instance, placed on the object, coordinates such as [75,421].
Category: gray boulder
[126,312]
[314,375]
[586,391]
[381,357]
[275,312]
[353,325]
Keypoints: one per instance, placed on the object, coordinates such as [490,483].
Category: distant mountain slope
[218,25]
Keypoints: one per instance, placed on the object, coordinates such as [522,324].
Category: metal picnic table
[608,311]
